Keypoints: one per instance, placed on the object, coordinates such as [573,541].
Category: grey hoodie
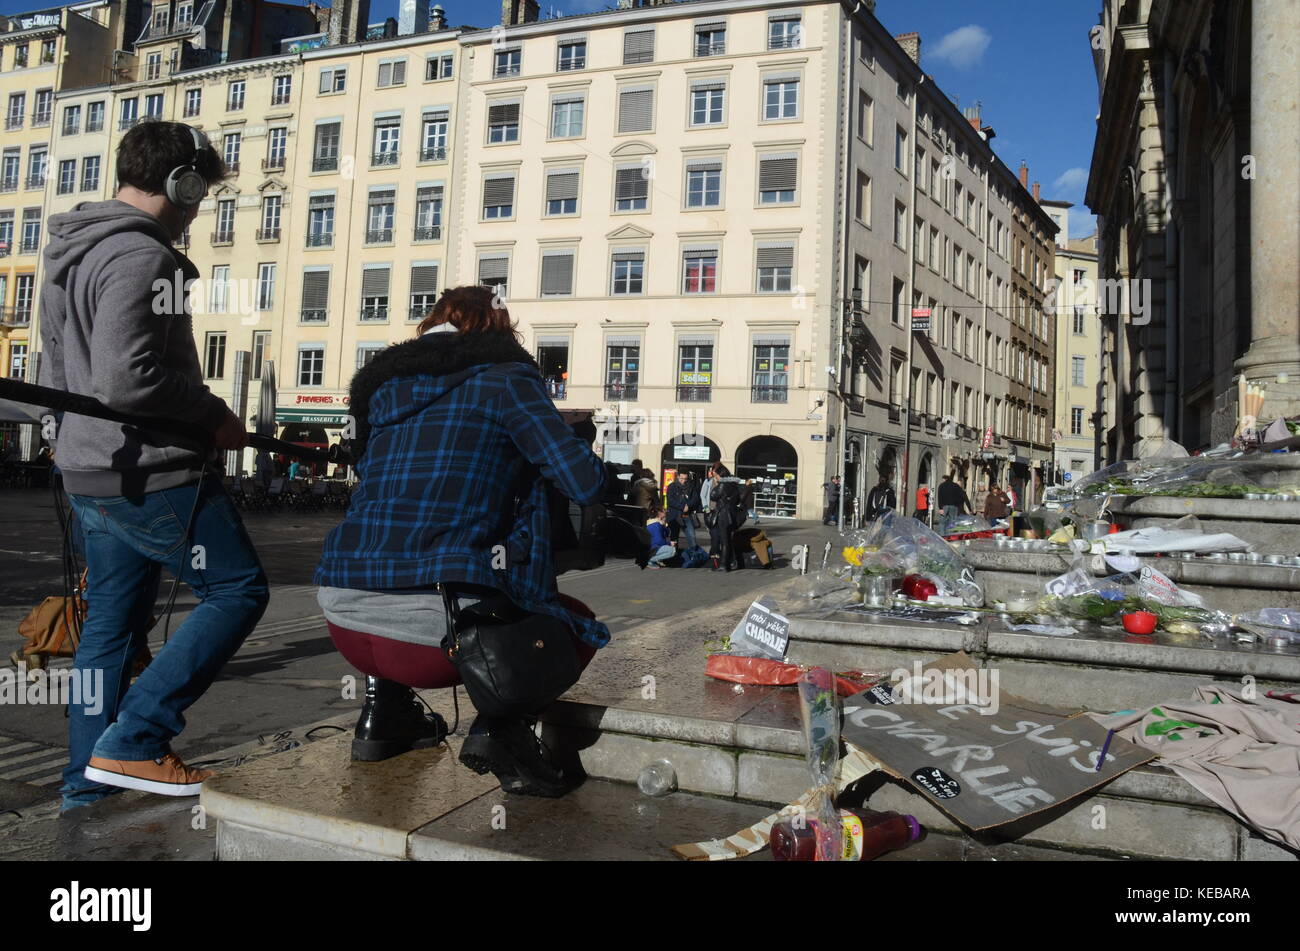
[111,329]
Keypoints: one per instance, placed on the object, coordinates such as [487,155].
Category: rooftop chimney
[1037,196]
[515,12]
[1024,174]
[911,44]
[437,18]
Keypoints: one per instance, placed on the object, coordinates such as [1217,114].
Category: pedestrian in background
[881,498]
[662,547]
[997,505]
[952,498]
[679,508]
[747,500]
[831,496]
[731,516]
[644,494]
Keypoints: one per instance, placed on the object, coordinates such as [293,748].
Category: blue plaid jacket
[456,440]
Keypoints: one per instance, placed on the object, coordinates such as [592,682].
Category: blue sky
[1029,65]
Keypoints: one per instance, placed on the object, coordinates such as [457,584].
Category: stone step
[1271,526]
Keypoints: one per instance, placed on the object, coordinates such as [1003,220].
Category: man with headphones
[111,327]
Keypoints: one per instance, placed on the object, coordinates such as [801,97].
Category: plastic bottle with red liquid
[867,834]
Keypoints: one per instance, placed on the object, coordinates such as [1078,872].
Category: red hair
[470,309]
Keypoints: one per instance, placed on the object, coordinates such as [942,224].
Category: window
[10,169]
[214,349]
[557,273]
[1079,311]
[184,14]
[325,151]
[571,54]
[153,106]
[710,39]
[553,362]
[225,232]
[392,73]
[261,342]
[900,150]
[428,213]
[16,111]
[315,296]
[153,67]
[900,316]
[388,140]
[47,51]
[494,272]
[1076,371]
[918,241]
[638,47]
[20,56]
[862,281]
[562,191]
[631,188]
[781,97]
[774,265]
[6,239]
[703,184]
[67,177]
[424,290]
[700,270]
[503,122]
[265,286]
[628,273]
[276,147]
[333,80]
[707,98]
[311,365]
[771,370]
[439,67]
[193,102]
[784,32]
[271,208]
[499,196]
[866,118]
[374,293]
[433,135]
[281,90]
[636,110]
[230,147]
[900,225]
[379,216]
[320,221]
[24,288]
[622,367]
[921,165]
[862,199]
[778,176]
[235,95]
[367,352]
[95,117]
[219,292]
[17,361]
[567,115]
[90,173]
[694,369]
[506,63]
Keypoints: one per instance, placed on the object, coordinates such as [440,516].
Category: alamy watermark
[38,687]
[950,687]
[1108,297]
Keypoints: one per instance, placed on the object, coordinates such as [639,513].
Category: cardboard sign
[761,632]
[981,767]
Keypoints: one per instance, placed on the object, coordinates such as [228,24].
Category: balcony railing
[380,236]
[21,316]
[191,112]
[768,394]
[573,62]
[14,121]
[313,315]
[90,184]
[268,234]
[325,163]
[223,237]
[69,129]
[124,124]
[273,164]
[232,167]
[374,314]
[94,126]
[500,72]
[428,234]
[435,154]
[66,188]
[35,181]
[384,158]
[280,99]
[9,185]
[620,391]
[42,118]
[322,240]
[711,49]
[418,313]
[788,42]
[29,245]
[694,394]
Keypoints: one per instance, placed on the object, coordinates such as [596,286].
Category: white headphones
[185,187]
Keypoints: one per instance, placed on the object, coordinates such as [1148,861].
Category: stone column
[1275,204]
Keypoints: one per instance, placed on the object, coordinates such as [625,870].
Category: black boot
[512,751]
[392,722]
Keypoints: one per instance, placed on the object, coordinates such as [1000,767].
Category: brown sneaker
[166,776]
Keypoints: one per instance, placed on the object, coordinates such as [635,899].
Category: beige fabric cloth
[1242,753]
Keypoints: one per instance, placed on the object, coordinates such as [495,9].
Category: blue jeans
[664,553]
[686,530]
[128,541]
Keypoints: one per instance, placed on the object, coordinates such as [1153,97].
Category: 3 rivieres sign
[321,409]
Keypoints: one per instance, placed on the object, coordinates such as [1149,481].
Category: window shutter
[623,342]
[386,197]
[499,191]
[374,282]
[776,256]
[399,73]
[708,85]
[710,165]
[385,121]
[561,186]
[778,173]
[493,270]
[385,74]
[771,340]
[557,273]
[428,193]
[710,26]
[326,80]
[321,201]
[791,78]
[694,252]
[315,290]
[424,279]
[629,256]
[629,184]
[635,110]
[437,115]
[694,340]
[638,46]
[503,113]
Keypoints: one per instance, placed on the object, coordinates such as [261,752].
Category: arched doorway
[689,452]
[773,464]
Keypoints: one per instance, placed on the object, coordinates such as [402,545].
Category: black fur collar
[439,354]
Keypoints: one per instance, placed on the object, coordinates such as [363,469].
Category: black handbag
[512,662]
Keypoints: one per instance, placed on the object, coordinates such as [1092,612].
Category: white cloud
[1070,181]
[1082,225]
[963,47]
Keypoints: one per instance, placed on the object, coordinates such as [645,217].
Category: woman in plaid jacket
[455,442]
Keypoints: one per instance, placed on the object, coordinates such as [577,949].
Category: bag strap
[449,607]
